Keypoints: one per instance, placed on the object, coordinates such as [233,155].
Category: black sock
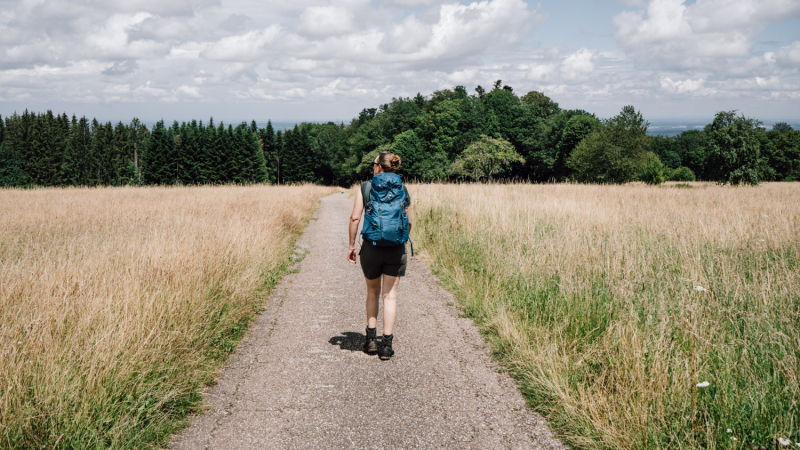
[387,339]
[372,332]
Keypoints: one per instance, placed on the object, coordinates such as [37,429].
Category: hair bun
[395,162]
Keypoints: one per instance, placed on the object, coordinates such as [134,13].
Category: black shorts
[376,261]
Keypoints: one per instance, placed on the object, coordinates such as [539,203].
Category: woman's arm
[355,216]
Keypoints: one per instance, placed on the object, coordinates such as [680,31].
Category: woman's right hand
[351,256]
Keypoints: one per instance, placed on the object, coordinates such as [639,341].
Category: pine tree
[63,123]
[174,167]
[11,173]
[18,137]
[75,164]
[139,135]
[267,139]
[101,154]
[278,156]
[289,163]
[39,157]
[51,149]
[217,153]
[202,158]
[191,153]
[123,170]
[32,159]
[253,168]
[298,163]
[156,157]
[231,161]
[211,154]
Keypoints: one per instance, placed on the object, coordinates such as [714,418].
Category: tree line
[448,135]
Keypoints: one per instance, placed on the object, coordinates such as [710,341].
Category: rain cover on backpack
[385,219]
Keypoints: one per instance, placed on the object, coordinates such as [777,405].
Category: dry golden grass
[592,296]
[117,304]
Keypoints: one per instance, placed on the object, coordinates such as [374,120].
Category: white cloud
[245,47]
[681,86]
[187,91]
[673,34]
[789,55]
[117,89]
[320,21]
[112,40]
[542,72]
[579,64]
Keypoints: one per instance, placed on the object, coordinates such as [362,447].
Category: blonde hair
[389,161]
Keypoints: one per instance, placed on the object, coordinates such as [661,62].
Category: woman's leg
[390,285]
[373,291]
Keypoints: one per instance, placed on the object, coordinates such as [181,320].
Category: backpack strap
[366,187]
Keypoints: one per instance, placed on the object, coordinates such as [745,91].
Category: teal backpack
[385,219]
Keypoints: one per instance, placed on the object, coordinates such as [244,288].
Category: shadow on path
[349,340]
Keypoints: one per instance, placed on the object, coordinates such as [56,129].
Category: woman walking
[383,250]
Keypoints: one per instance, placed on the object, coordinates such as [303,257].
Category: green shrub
[652,171]
[681,174]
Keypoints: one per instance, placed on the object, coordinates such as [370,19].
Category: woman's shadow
[349,340]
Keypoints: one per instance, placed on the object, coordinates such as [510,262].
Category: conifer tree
[233,157]
[51,148]
[136,144]
[75,164]
[253,168]
[189,169]
[11,173]
[278,156]
[156,157]
[298,161]
[217,153]
[211,155]
[123,171]
[101,154]
[45,150]
[267,139]
[201,157]
[223,150]
[289,163]
[18,137]
[35,156]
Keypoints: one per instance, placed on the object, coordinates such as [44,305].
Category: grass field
[118,305]
[614,305]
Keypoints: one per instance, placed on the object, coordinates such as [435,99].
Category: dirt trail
[299,379]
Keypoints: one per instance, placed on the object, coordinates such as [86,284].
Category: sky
[319,60]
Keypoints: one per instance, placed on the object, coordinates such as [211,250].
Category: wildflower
[729,430]
[784,441]
[700,289]
[703,384]
[733,438]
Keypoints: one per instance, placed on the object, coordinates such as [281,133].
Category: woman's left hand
[351,256]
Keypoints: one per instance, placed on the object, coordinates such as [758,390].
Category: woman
[387,263]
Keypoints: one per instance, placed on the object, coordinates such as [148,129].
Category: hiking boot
[386,352]
[370,344]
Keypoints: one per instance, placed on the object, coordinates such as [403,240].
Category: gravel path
[300,380]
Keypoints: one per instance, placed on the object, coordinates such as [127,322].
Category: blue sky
[321,60]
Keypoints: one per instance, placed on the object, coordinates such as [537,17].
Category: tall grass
[610,304]
[117,305]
